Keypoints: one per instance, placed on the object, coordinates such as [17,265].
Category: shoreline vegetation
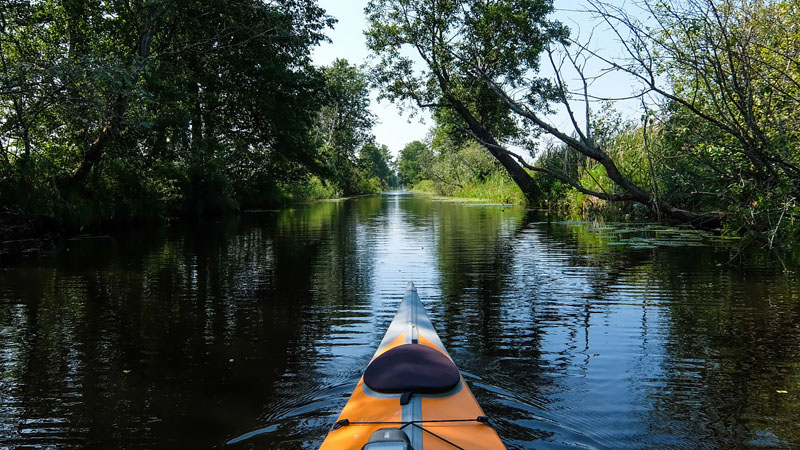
[113,114]
[714,142]
[118,113]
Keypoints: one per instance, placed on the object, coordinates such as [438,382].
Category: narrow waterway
[571,335]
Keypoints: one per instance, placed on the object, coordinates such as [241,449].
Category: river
[257,328]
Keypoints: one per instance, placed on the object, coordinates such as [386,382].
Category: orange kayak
[412,396]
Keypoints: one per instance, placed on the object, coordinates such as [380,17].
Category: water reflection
[259,328]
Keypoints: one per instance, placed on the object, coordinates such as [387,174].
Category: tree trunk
[633,191]
[518,173]
[95,151]
[119,108]
[528,185]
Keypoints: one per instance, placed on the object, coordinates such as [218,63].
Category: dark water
[202,333]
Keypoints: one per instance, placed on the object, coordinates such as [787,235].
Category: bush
[425,186]
[310,189]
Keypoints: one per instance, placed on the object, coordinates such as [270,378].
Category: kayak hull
[431,421]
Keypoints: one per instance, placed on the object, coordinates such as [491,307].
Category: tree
[107,103]
[375,162]
[479,55]
[409,170]
[344,122]
[729,75]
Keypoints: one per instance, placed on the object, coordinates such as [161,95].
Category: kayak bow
[412,396]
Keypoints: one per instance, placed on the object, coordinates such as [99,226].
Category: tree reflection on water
[198,333]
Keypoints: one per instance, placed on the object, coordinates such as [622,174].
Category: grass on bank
[495,188]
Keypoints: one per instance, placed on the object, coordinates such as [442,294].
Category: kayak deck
[432,421]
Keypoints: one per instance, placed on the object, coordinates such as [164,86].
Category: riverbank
[496,188]
[41,228]
[499,188]
[565,202]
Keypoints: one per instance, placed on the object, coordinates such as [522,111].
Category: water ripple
[253,332]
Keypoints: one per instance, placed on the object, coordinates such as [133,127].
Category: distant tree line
[129,109]
[717,142]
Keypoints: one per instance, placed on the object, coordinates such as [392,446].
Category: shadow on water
[182,336]
[256,329]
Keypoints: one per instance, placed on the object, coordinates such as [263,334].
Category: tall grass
[496,188]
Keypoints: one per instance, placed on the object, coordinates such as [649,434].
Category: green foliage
[120,110]
[409,168]
[624,142]
[736,145]
[724,147]
[310,189]
[374,163]
[467,172]
[370,185]
[463,42]
[498,187]
[353,163]
[344,123]
[684,177]
[424,186]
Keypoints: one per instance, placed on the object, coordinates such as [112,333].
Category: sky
[395,129]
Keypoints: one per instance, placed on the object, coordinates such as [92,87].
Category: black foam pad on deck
[412,368]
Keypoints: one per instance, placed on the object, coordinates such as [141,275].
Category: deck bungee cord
[346,422]
[416,423]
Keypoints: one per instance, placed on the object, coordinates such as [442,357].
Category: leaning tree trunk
[632,191]
[96,149]
[516,167]
[119,108]
[518,173]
